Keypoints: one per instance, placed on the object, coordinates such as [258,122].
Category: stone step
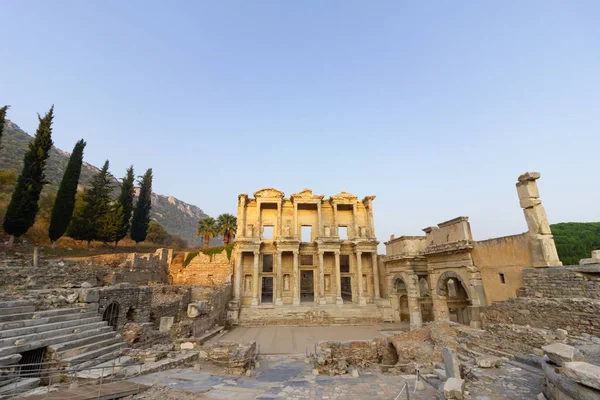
[20,332]
[89,347]
[98,360]
[19,386]
[8,360]
[25,323]
[97,354]
[16,310]
[15,303]
[48,313]
[64,338]
[71,344]
[161,365]
[35,337]
[105,369]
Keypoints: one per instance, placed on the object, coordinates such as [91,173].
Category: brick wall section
[169,301]
[202,270]
[128,297]
[571,281]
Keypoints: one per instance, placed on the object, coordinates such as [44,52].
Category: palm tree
[227,224]
[207,227]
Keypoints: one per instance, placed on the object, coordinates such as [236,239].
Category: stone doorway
[346,283]
[266,294]
[111,315]
[307,286]
[404,313]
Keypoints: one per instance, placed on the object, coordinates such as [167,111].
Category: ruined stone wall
[570,281]
[169,301]
[133,302]
[576,315]
[217,298]
[202,270]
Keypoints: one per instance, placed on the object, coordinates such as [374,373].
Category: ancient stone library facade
[308,256]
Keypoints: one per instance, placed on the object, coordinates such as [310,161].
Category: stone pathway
[277,378]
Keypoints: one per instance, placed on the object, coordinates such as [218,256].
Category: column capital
[359,252]
[256,252]
[296,252]
[321,252]
[337,252]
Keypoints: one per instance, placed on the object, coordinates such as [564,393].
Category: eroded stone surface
[584,373]
[560,353]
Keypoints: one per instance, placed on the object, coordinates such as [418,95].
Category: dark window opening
[130,316]
[111,315]
[267,290]
[306,259]
[307,286]
[344,263]
[502,278]
[267,263]
[346,288]
[31,362]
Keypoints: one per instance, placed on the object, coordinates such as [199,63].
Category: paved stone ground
[300,339]
[279,377]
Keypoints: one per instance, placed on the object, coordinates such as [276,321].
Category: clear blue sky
[434,106]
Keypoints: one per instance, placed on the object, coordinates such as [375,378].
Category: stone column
[322,300]
[338,280]
[296,234]
[440,307]
[414,307]
[543,249]
[278,225]
[255,279]
[296,280]
[355,220]
[238,276]
[260,227]
[335,220]
[359,274]
[242,213]
[375,269]
[278,299]
[370,219]
[320,220]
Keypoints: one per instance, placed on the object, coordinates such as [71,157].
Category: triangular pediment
[306,194]
[268,193]
[344,196]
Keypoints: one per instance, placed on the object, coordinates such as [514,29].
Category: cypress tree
[2,121]
[23,206]
[65,197]
[92,208]
[141,214]
[125,201]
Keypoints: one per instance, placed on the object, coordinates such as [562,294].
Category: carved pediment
[269,193]
[344,197]
[306,194]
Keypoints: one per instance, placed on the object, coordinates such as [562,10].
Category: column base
[296,302]
[362,301]
[254,302]
[339,301]
[322,301]
[278,302]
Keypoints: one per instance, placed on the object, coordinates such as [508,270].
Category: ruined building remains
[305,251]
[446,275]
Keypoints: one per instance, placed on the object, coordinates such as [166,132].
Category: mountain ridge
[176,216]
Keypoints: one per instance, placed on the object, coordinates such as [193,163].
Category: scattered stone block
[453,388]
[89,295]
[165,324]
[541,397]
[561,334]
[560,353]
[441,374]
[187,346]
[315,372]
[419,385]
[355,373]
[451,363]
[192,311]
[488,361]
[86,285]
[584,373]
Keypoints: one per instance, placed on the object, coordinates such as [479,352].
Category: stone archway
[451,288]
[399,299]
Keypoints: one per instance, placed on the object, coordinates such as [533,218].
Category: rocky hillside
[176,216]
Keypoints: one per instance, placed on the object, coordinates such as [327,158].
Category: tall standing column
[359,276]
[238,276]
[296,221]
[296,280]
[335,220]
[241,231]
[255,279]
[375,269]
[260,227]
[279,230]
[278,299]
[322,300]
[355,220]
[338,280]
[320,220]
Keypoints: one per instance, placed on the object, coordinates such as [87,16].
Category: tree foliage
[207,228]
[141,214]
[125,201]
[227,225]
[23,206]
[156,233]
[2,122]
[67,191]
[92,208]
[576,240]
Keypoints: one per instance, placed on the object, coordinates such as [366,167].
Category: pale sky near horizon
[435,107]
